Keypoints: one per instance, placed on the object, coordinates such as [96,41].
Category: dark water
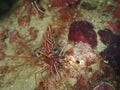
[5,6]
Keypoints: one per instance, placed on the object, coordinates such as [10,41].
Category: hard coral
[83,31]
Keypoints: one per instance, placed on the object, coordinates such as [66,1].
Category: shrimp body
[51,55]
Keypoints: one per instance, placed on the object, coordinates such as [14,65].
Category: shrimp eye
[37,54]
[56,50]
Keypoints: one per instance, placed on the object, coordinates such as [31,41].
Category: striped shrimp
[52,55]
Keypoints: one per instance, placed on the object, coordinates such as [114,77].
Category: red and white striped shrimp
[52,55]
[49,42]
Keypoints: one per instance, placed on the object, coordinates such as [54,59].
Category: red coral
[83,31]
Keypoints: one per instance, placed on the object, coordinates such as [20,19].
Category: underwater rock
[107,37]
[83,31]
[104,86]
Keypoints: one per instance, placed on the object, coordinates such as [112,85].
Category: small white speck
[106,61]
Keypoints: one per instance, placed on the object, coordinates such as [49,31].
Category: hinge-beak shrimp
[52,55]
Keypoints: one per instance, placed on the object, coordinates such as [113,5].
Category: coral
[83,31]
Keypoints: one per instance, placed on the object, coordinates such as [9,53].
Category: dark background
[5,6]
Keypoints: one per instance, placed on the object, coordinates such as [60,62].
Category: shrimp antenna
[35,5]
